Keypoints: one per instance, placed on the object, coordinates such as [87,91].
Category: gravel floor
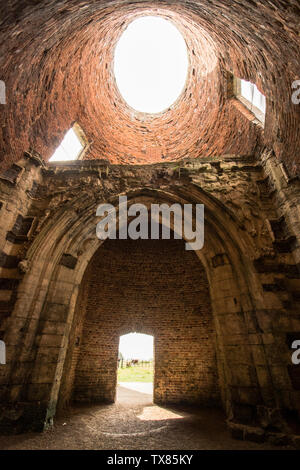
[134,422]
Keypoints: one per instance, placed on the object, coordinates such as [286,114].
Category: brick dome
[56,59]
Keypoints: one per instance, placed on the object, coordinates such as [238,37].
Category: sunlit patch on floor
[156,413]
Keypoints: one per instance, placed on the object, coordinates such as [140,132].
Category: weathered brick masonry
[152,287]
[66,298]
[56,59]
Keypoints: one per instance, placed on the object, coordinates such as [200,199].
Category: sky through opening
[151,64]
[136,346]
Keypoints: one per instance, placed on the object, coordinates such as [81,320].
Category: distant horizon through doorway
[135,368]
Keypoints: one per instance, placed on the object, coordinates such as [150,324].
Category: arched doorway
[72,249]
[151,286]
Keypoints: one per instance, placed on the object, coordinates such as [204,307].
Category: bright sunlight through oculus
[151,64]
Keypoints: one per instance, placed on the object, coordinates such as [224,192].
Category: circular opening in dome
[151,64]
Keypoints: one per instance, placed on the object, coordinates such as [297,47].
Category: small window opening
[72,147]
[251,97]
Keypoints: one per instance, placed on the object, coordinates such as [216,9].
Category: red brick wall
[153,287]
[47,92]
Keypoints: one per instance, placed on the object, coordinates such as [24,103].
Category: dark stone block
[20,230]
[11,175]
[34,157]
[8,261]
[264,186]
[68,261]
[220,260]
[285,245]
[8,284]
[16,239]
[264,265]
[279,228]
[5,308]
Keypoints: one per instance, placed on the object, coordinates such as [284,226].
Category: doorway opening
[135,366]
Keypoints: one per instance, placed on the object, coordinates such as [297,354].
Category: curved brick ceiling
[56,60]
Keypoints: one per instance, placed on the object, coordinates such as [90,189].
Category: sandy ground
[134,422]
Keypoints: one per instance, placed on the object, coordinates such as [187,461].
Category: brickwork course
[224,317]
